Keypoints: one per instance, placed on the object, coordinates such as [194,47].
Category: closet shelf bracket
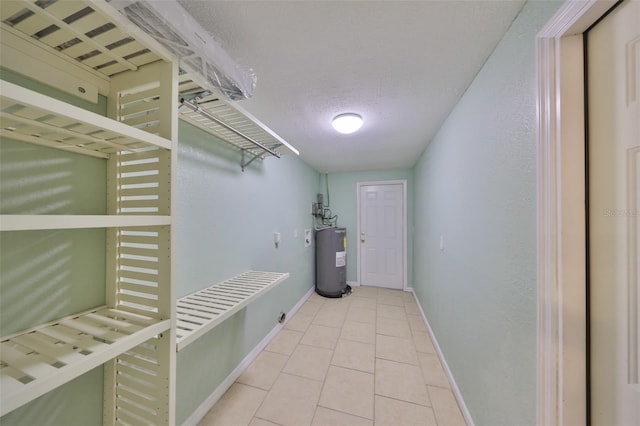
[264,150]
[245,152]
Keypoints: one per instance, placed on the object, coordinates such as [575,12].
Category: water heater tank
[331,262]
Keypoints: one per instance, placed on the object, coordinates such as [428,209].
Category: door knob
[362,237]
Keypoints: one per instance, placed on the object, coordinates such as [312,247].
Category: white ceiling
[402,65]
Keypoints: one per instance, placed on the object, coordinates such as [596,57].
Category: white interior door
[614,215]
[381,235]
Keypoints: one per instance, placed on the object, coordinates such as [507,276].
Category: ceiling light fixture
[347,123]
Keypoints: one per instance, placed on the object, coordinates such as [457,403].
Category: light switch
[441,243]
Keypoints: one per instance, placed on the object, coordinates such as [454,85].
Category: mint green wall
[225,225]
[344,202]
[475,185]
[45,275]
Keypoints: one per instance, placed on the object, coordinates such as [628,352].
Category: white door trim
[561,272]
[402,182]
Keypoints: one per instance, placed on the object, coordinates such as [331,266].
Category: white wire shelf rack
[41,359]
[229,122]
[201,311]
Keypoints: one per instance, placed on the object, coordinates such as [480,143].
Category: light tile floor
[365,359]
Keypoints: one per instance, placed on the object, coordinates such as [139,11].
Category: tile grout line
[347,309]
[207,405]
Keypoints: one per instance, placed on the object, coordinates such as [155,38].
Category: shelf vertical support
[160,79]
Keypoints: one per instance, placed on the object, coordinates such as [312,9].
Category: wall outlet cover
[307,237]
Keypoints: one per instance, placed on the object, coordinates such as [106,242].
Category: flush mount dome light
[347,123]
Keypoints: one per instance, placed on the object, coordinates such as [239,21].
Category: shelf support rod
[243,164]
[194,106]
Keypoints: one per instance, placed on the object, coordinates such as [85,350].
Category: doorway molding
[405,249]
[561,209]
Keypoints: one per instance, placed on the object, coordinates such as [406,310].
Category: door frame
[562,388]
[402,182]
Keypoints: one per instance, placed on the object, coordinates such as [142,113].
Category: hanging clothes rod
[194,106]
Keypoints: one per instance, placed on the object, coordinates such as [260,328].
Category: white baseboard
[454,386]
[208,403]
[353,283]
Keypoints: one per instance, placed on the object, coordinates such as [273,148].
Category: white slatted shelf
[92,49]
[86,32]
[41,222]
[41,359]
[31,117]
[199,312]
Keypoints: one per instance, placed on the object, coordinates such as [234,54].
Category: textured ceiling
[401,65]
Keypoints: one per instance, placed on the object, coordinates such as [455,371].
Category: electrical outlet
[307,237]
